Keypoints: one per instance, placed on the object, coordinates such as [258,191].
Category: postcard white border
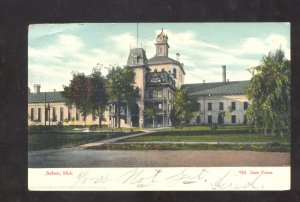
[159,179]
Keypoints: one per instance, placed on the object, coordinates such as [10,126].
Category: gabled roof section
[164,60]
[50,97]
[217,88]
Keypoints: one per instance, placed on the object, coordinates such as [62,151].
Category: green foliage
[120,88]
[98,97]
[87,93]
[150,111]
[184,107]
[269,94]
[77,93]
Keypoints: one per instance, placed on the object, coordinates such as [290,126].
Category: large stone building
[157,77]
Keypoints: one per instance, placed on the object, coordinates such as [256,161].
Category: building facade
[157,78]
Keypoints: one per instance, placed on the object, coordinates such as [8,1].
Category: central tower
[137,60]
[162,46]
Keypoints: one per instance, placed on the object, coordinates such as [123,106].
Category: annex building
[157,78]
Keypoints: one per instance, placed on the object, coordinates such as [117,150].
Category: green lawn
[194,128]
[51,140]
[273,147]
[211,138]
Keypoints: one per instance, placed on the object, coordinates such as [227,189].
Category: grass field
[273,147]
[58,140]
[195,128]
[211,138]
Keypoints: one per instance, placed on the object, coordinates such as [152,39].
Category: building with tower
[157,78]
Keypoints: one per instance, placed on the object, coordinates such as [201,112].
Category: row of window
[221,106]
[54,115]
[220,120]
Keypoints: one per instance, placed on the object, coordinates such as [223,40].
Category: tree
[98,96]
[150,111]
[77,93]
[269,94]
[120,88]
[184,106]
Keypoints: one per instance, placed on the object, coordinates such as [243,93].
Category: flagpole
[137,35]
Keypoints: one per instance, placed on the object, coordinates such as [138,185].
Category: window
[233,119]
[209,119]
[154,93]
[245,105]
[47,114]
[159,95]
[77,115]
[245,120]
[150,94]
[69,113]
[39,114]
[61,114]
[198,119]
[174,73]
[221,106]
[209,106]
[53,114]
[32,114]
[233,105]
[161,50]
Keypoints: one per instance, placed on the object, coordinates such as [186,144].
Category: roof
[217,88]
[50,97]
[137,56]
[163,60]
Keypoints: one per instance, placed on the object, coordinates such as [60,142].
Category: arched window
[174,73]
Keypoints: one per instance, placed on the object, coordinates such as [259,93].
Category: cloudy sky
[55,50]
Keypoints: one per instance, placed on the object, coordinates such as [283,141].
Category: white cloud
[123,41]
[202,59]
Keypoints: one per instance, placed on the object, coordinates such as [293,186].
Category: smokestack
[37,88]
[177,56]
[224,73]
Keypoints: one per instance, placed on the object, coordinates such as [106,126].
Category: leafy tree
[150,111]
[98,96]
[120,88]
[77,93]
[184,106]
[269,94]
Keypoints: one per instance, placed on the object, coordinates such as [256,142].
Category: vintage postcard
[159,106]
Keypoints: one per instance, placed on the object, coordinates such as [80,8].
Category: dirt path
[152,158]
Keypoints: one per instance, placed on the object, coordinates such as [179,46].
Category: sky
[57,50]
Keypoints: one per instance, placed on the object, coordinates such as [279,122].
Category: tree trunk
[153,121]
[119,113]
[100,118]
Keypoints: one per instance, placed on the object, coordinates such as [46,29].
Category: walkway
[112,140]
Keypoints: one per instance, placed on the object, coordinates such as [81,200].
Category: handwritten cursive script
[168,178]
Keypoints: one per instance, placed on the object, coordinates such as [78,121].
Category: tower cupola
[162,46]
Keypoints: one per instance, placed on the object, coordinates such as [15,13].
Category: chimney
[37,88]
[203,81]
[224,73]
[177,56]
